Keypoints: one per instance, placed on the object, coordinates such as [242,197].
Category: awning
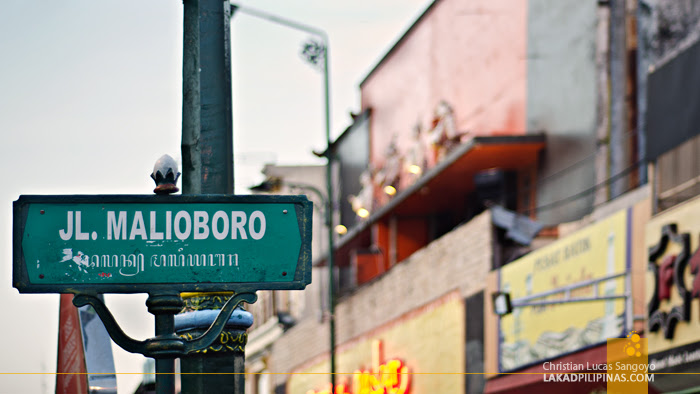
[531,380]
[451,180]
[453,177]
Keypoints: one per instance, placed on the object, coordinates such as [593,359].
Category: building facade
[600,256]
[671,54]
[537,148]
[660,236]
[275,312]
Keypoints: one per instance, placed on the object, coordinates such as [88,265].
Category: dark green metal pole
[191,160]
[163,306]
[207,131]
[165,367]
[329,212]
[207,168]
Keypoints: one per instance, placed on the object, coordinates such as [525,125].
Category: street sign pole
[207,131]
[207,153]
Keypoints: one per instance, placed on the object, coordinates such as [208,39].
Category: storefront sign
[390,377]
[184,243]
[534,333]
[673,280]
[663,265]
[677,359]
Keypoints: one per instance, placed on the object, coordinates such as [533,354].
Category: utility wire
[626,136]
[572,167]
[589,190]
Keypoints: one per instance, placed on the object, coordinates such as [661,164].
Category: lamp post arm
[329,184]
[281,21]
[313,189]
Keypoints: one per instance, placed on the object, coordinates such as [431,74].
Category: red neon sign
[391,377]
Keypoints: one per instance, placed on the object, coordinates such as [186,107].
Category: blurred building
[669,57]
[277,311]
[535,148]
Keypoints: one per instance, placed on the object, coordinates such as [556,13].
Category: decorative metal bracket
[165,345]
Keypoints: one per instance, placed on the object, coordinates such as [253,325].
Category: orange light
[390,190]
[340,229]
[415,169]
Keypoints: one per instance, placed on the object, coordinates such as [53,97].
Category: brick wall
[460,260]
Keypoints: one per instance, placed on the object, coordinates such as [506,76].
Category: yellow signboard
[420,352]
[534,333]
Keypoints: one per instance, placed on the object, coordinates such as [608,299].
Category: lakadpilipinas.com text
[613,372]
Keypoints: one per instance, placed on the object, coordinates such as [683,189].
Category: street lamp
[313,52]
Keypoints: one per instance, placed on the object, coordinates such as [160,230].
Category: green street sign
[142,244]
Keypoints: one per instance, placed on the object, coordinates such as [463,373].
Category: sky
[90,98]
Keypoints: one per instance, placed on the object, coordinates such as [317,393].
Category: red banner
[71,377]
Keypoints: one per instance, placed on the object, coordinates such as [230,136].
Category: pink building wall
[472,55]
